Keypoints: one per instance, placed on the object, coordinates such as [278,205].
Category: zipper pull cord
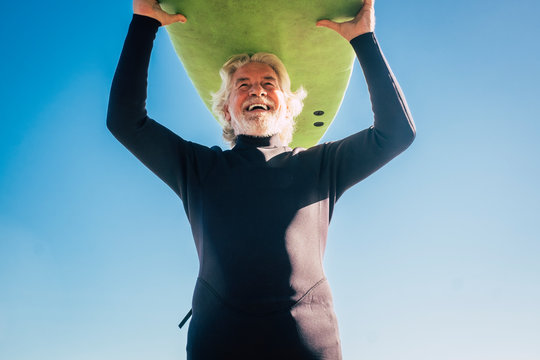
[185,319]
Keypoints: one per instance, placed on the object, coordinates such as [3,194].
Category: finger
[328,24]
[179,18]
[172,18]
[368,4]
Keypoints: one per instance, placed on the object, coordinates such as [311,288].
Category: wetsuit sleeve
[359,155]
[179,163]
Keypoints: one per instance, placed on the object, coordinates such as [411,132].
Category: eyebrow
[247,79]
[241,80]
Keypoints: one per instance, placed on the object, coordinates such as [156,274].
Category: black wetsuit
[259,213]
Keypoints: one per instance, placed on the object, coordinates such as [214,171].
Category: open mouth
[257,107]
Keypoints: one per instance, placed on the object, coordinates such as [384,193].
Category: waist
[301,329]
[208,299]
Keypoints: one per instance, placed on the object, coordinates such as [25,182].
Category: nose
[257,90]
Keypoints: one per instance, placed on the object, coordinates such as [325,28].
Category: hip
[306,330]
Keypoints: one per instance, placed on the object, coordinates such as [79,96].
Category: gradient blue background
[435,256]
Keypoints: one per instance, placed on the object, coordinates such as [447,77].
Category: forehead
[254,70]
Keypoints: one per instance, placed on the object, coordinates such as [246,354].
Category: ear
[227,113]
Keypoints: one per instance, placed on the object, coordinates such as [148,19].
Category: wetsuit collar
[248,141]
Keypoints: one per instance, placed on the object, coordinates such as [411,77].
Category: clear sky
[435,256]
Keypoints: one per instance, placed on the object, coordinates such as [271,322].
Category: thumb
[329,24]
[179,18]
[170,18]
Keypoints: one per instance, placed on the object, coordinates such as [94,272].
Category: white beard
[260,124]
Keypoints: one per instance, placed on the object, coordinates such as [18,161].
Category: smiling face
[256,104]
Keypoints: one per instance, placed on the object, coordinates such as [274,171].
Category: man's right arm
[162,151]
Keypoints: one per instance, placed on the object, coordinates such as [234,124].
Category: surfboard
[316,58]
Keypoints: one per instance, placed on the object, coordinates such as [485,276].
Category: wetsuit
[259,212]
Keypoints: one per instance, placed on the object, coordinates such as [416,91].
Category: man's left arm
[359,155]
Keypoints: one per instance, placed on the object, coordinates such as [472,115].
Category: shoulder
[315,149]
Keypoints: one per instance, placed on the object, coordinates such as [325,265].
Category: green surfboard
[317,58]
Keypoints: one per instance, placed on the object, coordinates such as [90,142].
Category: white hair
[293,100]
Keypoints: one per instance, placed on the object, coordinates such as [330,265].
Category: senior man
[260,211]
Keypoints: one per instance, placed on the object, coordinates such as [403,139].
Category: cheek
[237,104]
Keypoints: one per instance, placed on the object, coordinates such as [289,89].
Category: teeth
[252,106]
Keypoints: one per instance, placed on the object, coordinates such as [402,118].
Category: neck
[243,140]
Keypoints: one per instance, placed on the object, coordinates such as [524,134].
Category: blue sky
[435,256]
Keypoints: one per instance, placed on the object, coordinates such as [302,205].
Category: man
[259,212]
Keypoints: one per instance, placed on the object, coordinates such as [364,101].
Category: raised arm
[174,160]
[127,102]
[393,130]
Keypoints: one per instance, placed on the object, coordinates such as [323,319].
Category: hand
[152,9]
[364,22]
